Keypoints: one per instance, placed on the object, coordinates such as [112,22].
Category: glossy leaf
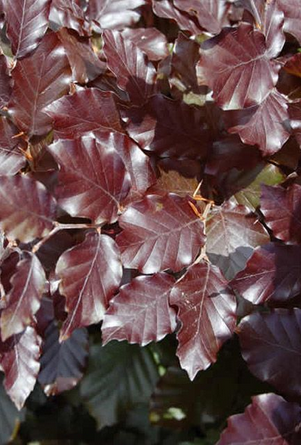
[264,125]
[62,364]
[114,14]
[27,209]
[19,360]
[232,62]
[232,234]
[206,310]
[272,273]
[292,17]
[150,40]
[282,211]
[169,128]
[159,233]
[82,112]
[119,377]
[67,14]
[89,275]
[24,298]
[270,345]
[269,419]
[167,10]
[11,157]
[38,80]
[27,22]
[140,313]
[96,177]
[134,73]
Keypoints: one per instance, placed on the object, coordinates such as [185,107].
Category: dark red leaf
[90,273]
[293,65]
[232,234]
[8,267]
[27,22]
[292,17]
[38,81]
[160,233]
[269,420]
[282,211]
[167,10]
[211,14]
[67,14]
[24,298]
[92,179]
[232,63]
[207,314]
[5,81]
[150,40]
[295,116]
[272,273]
[19,360]
[62,364]
[114,14]
[84,111]
[50,251]
[264,124]
[84,63]
[134,73]
[140,313]
[11,157]
[270,344]
[169,128]
[27,210]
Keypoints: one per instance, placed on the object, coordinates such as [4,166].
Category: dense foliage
[150,187]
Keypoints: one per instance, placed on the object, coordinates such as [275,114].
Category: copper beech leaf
[282,211]
[232,62]
[173,182]
[24,298]
[293,65]
[134,73]
[150,40]
[273,273]
[89,275]
[5,81]
[159,233]
[19,359]
[206,310]
[68,14]
[140,313]
[27,209]
[270,344]
[169,128]
[270,419]
[92,179]
[38,80]
[292,17]
[62,364]
[27,22]
[264,124]
[167,10]
[232,234]
[82,112]
[11,157]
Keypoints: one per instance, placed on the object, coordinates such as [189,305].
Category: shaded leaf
[92,179]
[27,22]
[169,128]
[293,65]
[51,249]
[167,10]
[232,62]
[19,360]
[67,14]
[140,313]
[114,14]
[232,234]
[11,157]
[119,377]
[82,112]
[38,80]
[173,182]
[272,273]
[5,81]
[62,364]
[134,73]
[10,417]
[264,125]
[24,298]
[270,419]
[282,211]
[270,344]
[90,273]
[207,315]
[292,17]
[150,40]
[27,209]
[159,233]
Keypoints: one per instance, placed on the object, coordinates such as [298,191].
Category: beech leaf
[150,40]
[159,233]
[114,14]
[67,14]
[140,313]
[167,10]
[5,81]
[11,157]
[292,17]
[89,275]
[206,310]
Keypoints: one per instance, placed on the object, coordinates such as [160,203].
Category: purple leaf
[150,40]
[292,16]
[67,14]
[5,81]
[167,10]
[114,14]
